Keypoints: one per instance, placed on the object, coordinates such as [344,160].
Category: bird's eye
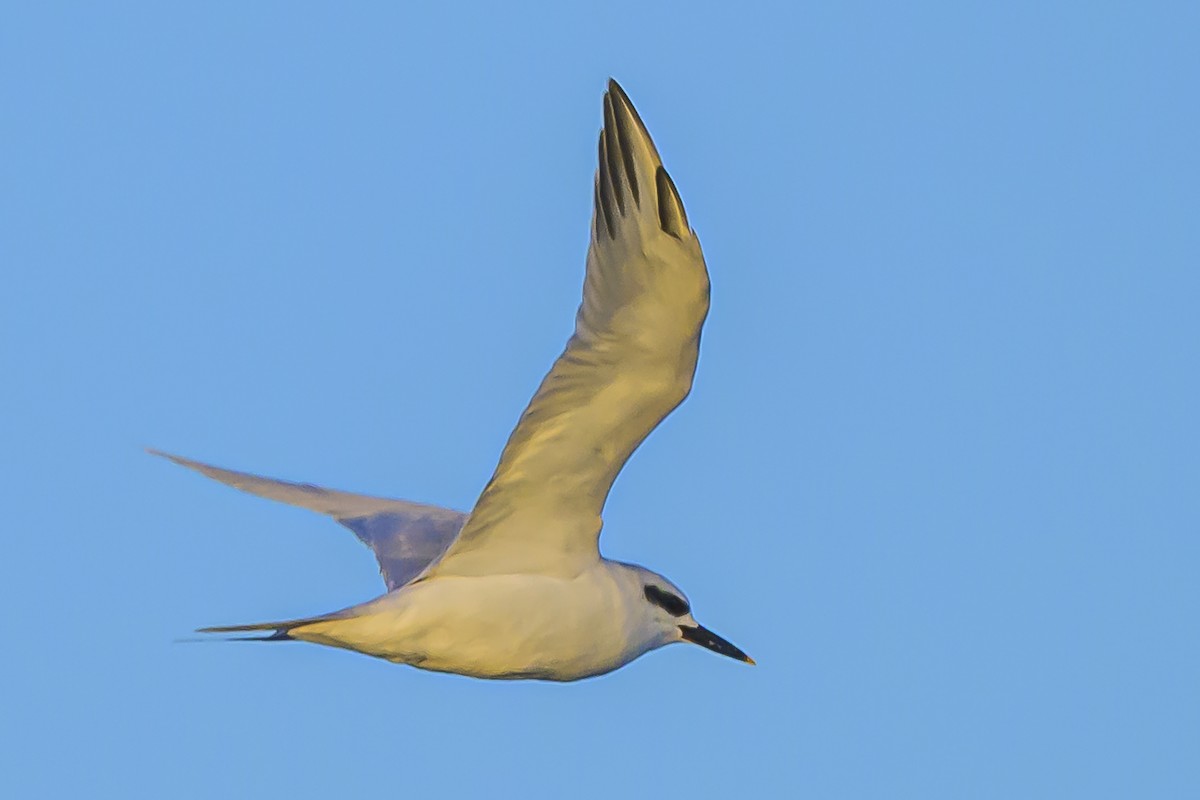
[673,604]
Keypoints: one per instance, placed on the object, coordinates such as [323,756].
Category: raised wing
[405,537]
[629,363]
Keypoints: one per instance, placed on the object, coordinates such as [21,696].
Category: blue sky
[938,474]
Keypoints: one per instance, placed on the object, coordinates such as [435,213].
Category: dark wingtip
[604,189]
[615,90]
[671,216]
[621,140]
[611,147]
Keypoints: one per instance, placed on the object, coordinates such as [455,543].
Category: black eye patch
[673,605]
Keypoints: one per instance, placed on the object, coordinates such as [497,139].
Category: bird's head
[664,608]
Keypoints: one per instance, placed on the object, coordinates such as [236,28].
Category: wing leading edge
[629,363]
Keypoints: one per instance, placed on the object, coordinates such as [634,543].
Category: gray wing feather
[405,537]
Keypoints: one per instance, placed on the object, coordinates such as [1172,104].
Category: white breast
[500,626]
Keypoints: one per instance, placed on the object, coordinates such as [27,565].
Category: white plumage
[517,588]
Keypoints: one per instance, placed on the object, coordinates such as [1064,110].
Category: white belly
[496,626]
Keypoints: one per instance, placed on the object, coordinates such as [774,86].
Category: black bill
[705,638]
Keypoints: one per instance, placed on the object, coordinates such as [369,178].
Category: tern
[517,588]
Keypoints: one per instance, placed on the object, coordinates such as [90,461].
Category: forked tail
[279,631]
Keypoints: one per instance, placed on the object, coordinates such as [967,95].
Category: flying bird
[517,588]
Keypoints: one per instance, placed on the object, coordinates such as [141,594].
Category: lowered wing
[405,537]
[629,363]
